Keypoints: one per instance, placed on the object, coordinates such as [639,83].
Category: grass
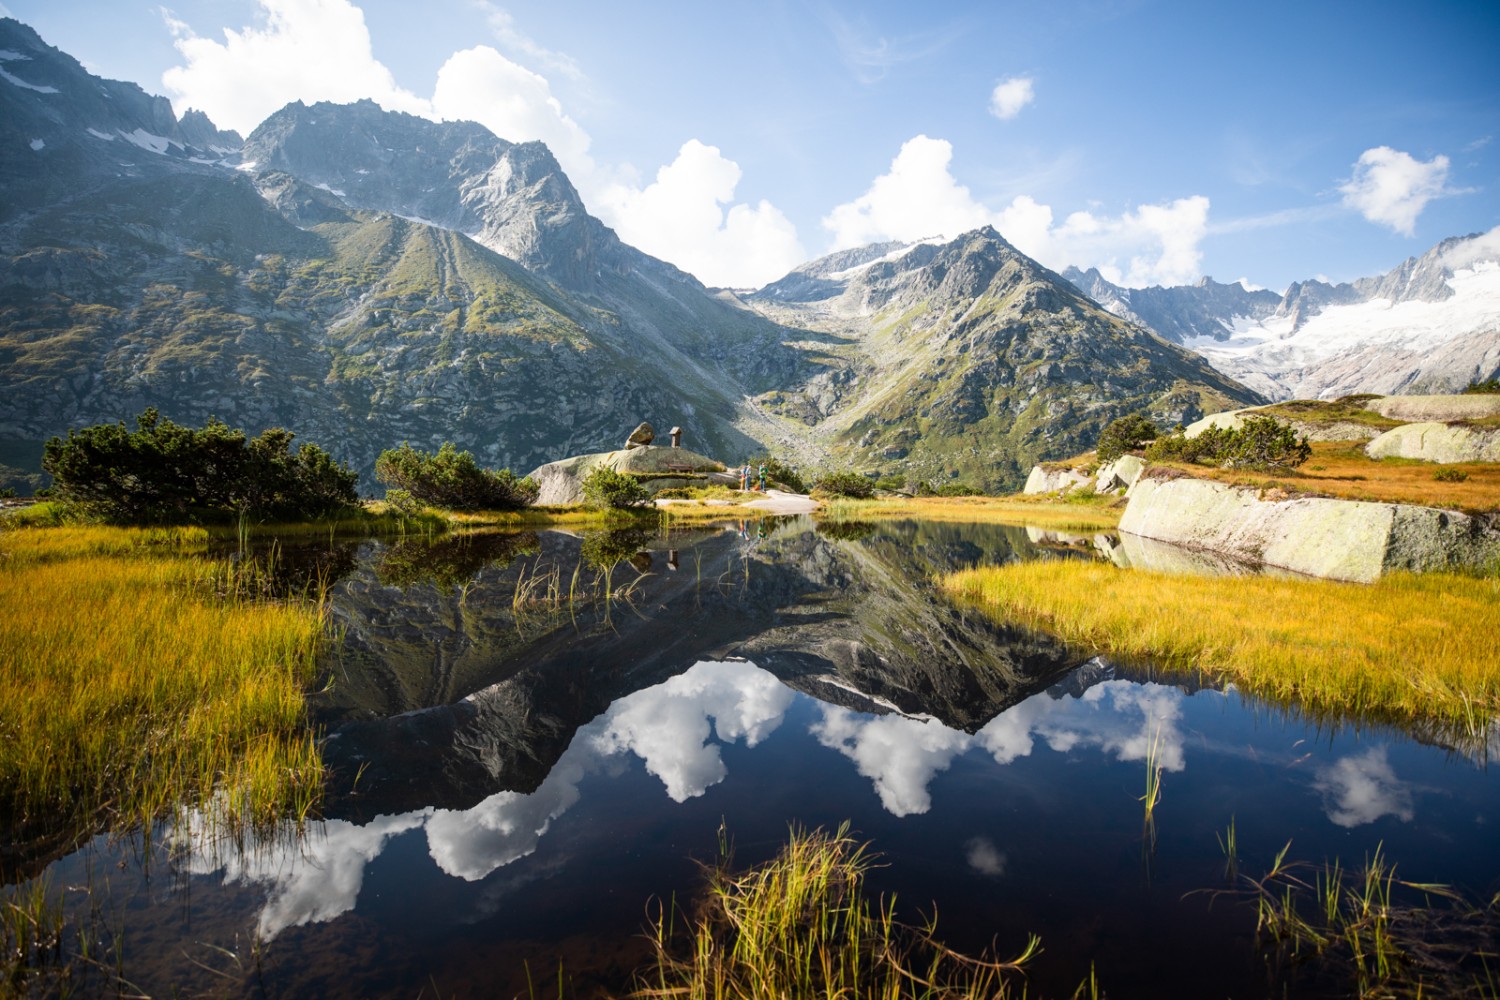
[1381,935]
[1021,510]
[137,677]
[801,925]
[1340,469]
[1406,649]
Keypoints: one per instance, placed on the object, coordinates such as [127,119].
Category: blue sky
[1160,141]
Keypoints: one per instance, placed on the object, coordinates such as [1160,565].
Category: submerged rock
[1337,539]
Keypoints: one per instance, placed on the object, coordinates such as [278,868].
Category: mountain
[367,277]
[1431,324]
[969,359]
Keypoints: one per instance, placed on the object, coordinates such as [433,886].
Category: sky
[1158,141]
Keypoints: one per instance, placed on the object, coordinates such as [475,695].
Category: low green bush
[1450,475]
[844,484]
[1487,387]
[606,489]
[450,479]
[1128,433]
[163,472]
[1260,442]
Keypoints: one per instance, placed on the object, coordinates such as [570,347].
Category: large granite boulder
[1338,539]
[642,436]
[1053,480]
[1119,475]
[561,482]
[1437,442]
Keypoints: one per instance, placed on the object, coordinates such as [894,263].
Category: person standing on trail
[745,476]
[763,477]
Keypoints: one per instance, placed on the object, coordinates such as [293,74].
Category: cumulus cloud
[1390,188]
[308,50]
[688,216]
[1010,96]
[1363,788]
[919,197]
[483,86]
[319,50]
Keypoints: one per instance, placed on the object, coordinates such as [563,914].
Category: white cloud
[503,26]
[1362,789]
[308,50]
[1391,188]
[920,197]
[1010,96]
[483,86]
[687,216]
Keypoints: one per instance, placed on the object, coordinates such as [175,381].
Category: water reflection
[1363,788]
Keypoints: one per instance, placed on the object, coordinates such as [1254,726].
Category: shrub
[606,489]
[1450,475]
[163,472]
[894,483]
[7,493]
[1260,442]
[1125,434]
[1487,387]
[450,479]
[959,490]
[844,484]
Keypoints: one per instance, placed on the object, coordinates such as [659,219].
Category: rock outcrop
[1119,475]
[1336,539]
[642,436]
[1051,480]
[1438,442]
[562,481]
[1471,406]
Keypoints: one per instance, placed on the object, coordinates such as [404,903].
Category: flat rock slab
[1417,409]
[777,502]
[1335,539]
[562,481]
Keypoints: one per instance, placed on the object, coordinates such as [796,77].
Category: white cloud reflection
[671,728]
[902,755]
[1363,788]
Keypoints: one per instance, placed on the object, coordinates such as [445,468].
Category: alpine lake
[537,739]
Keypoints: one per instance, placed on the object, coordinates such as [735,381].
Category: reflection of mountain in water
[455,684]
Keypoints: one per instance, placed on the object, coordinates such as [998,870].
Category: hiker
[763,477]
[745,476]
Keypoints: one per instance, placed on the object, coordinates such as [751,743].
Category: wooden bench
[678,467]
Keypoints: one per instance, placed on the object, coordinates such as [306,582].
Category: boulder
[1336,539]
[643,435]
[561,482]
[1120,474]
[1045,480]
[1435,442]
[1417,409]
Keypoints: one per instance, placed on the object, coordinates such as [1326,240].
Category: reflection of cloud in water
[902,755]
[1363,788]
[312,880]
[667,726]
[984,857]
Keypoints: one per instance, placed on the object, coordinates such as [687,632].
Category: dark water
[516,774]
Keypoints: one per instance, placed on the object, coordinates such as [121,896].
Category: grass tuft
[801,925]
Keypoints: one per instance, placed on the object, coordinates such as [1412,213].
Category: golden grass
[801,926]
[1408,649]
[127,688]
[1020,509]
[1341,469]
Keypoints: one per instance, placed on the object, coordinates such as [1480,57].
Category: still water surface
[516,774]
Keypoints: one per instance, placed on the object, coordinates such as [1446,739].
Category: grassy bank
[1341,469]
[130,682]
[1084,516]
[1408,649]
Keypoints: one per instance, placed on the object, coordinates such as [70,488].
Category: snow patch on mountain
[28,86]
[1379,343]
